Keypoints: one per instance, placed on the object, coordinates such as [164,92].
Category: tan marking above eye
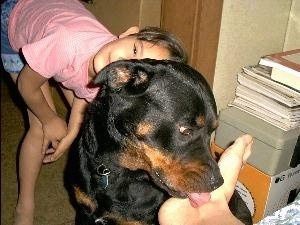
[142,78]
[143,129]
[200,120]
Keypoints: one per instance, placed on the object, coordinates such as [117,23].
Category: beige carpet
[52,203]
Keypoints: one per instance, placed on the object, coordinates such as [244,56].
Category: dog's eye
[185,130]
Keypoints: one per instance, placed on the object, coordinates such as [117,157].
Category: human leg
[30,162]
[30,158]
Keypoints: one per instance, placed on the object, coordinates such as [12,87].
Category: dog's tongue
[198,199]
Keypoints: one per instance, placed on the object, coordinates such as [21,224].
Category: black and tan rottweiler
[145,137]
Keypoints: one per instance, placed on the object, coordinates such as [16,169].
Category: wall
[198,27]
[292,39]
[118,15]
[249,30]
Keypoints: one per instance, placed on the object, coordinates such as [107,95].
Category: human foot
[24,215]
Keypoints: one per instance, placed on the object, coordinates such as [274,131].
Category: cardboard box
[273,150]
[266,194]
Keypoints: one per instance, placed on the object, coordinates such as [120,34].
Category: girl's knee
[35,130]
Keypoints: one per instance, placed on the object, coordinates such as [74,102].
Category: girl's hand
[54,130]
[53,154]
[76,117]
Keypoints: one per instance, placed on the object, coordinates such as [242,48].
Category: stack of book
[275,98]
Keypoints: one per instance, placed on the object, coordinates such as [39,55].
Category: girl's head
[150,42]
[160,37]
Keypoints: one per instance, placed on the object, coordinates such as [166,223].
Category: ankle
[24,206]
[24,214]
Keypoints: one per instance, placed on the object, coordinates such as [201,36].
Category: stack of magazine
[267,99]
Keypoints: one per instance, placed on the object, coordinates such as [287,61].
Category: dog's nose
[216,181]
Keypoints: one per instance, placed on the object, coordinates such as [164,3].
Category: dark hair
[163,38]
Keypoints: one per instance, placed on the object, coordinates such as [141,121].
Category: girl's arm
[76,118]
[32,87]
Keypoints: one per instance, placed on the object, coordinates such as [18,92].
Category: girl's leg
[30,162]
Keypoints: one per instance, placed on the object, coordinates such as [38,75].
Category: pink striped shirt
[57,39]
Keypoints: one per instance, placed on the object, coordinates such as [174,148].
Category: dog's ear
[133,75]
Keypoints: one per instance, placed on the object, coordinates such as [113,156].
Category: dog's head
[163,114]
